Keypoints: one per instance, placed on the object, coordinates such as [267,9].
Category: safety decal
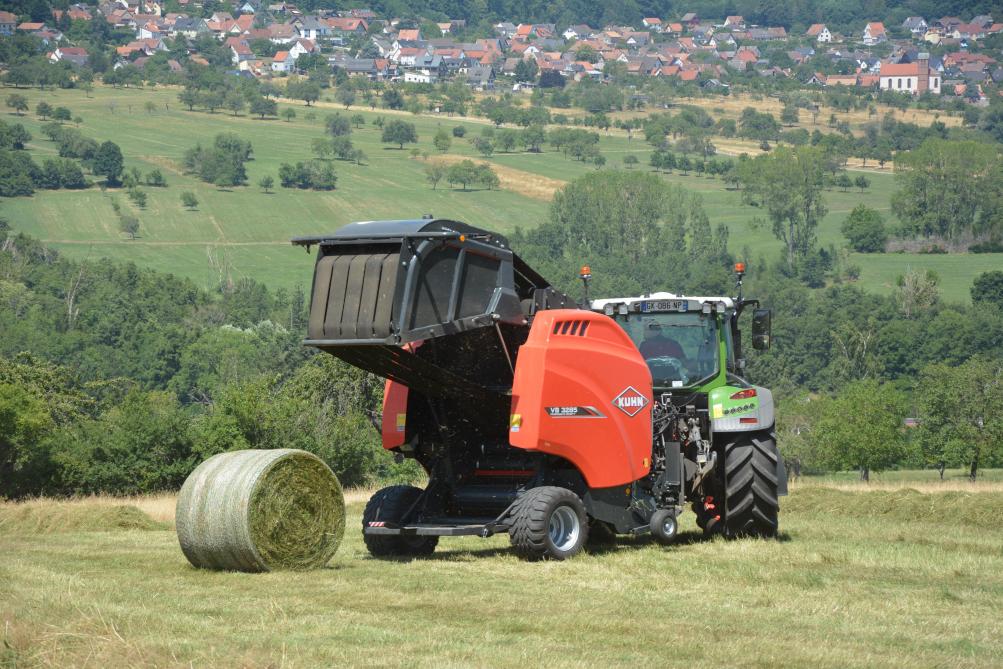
[515,422]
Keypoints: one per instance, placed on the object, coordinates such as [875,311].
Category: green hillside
[247,229]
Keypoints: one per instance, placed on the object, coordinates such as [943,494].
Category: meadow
[245,231]
[860,577]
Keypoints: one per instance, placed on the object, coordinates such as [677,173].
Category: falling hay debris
[261,510]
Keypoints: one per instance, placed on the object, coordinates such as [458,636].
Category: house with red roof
[283,63]
[302,47]
[8,23]
[819,33]
[969,31]
[240,50]
[915,78]
[282,33]
[75,56]
[874,33]
[524,31]
[347,26]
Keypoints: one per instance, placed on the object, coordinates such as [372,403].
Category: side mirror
[761,327]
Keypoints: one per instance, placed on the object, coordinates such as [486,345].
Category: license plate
[665,305]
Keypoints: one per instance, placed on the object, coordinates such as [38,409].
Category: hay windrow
[51,518]
[258,510]
[974,509]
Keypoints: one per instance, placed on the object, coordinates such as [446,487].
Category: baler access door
[456,291]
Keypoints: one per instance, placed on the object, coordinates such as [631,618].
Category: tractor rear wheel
[750,482]
[548,522]
[389,505]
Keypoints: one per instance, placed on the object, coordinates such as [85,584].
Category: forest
[120,379]
[798,13]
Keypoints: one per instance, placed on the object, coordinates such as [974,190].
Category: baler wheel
[750,480]
[389,505]
[664,526]
[548,522]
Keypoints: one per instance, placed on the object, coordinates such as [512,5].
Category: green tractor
[715,424]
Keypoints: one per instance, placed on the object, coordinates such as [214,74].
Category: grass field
[249,229]
[846,586]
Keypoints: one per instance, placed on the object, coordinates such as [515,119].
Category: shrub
[222,163]
[992,246]
[312,174]
[156,178]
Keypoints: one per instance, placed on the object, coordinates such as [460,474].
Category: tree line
[136,376]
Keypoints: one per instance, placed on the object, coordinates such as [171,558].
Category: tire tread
[750,494]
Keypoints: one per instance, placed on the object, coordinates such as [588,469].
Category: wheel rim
[669,526]
[565,528]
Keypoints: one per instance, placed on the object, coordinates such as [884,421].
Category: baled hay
[261,510]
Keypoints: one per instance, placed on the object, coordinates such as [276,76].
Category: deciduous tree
[863,428]
[400,133]
[788,184]
[947,188]
[18,103]
[961,413]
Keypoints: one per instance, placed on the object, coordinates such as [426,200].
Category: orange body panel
[394,421]
[582,391]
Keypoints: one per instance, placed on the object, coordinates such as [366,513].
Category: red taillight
[744,394]
[748,420]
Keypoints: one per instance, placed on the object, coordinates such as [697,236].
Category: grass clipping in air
[261,510]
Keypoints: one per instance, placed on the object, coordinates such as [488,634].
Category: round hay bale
[261,510]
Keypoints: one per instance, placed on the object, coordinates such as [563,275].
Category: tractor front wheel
[751,485]
[548,522]
[389,505]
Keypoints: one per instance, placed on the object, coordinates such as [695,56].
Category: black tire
[542,514]
[750,480]
[389,505]
[664,526]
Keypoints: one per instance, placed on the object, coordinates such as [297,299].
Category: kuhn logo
[630,401]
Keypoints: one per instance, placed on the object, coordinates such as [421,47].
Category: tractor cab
[689,343]
[686,342]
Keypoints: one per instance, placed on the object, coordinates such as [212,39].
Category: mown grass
[248,229]
[840,589]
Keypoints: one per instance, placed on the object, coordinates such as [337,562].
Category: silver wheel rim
[669,526]
[564,529]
